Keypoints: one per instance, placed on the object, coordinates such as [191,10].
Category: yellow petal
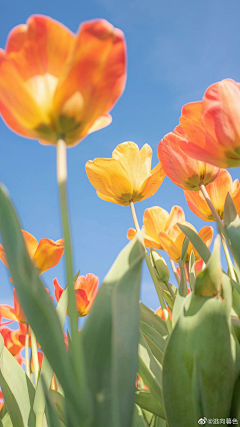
[151,184]
[110,179]
[155,220]
[169,246]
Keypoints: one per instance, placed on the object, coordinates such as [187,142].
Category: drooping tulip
[127,176]
[53,82]
[212,126]
[217,192]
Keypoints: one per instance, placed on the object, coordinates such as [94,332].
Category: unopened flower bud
[160,266]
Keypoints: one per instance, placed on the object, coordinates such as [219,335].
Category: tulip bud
[160,266]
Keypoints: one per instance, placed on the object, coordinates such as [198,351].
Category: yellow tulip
[127,176]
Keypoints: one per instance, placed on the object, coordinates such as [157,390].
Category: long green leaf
[148,316]
[138,418]
[40,312]
[51,414]
[110,339]
[146,401]
[18,391]
[6,421]
[155,341]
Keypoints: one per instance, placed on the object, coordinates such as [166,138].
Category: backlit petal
[151,184]
[48,254]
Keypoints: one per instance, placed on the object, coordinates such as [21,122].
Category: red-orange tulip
[53,82]
[85,292]
[45,254]
[179,167]
[213,125]
[13,341]
[217,191]
[1,400]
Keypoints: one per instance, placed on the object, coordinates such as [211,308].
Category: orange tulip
[45,254]
[213,126]
[127,176]
[14,313]
[13,341]
[156,219]
[179,167]
[85,292]
[159,312]
[1,400]
[217,191]
[53,82]
[172,241]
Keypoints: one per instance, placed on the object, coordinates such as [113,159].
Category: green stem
[174,271]
[152,273]
[27,363]
[62,179]
[34,356]
[221,230]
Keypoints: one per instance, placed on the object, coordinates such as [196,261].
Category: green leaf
[233,236]
[59,404]
[51,414]
[177,308]
[40,312]
[203,331]
[110,339]
[138,418]
[146,401]
[148,316]
[17,389]
[155,341]
[208,281]
[230,212]
[6,421]
[149,369]
[191,273]
[197,242]
[46,370]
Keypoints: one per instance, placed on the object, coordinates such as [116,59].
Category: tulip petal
[96,72]
[110,179]
[198,205]
[57,289]
[151,184]
[3,257]
[206,234]
[173,251]
[48,254]
[155,220]
[221,113]
[100,123]
[30,242]
[176,215]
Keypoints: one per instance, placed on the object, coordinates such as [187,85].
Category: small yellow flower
[127,176]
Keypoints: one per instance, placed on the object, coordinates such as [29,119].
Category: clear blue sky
[175,51]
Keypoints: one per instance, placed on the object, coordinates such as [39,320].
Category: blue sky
[175,51]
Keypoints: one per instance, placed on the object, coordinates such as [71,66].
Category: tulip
[212,126]
[179,167]
[53,82]
[85,292]
[14,313]
[1,400]
[172,241]
[127,177]
[13,340]
[217,192]
[156,219]
[45,254]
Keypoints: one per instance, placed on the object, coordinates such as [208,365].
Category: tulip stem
[174,271]
[34,356]
[62,179]
[221,230]
[152,272]
[27,353]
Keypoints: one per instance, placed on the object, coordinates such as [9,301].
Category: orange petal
[198,205]
[206,234]
[96,72]
[48,254]
[30,242]
[58,289]
[3,257]
[131,233]
[154,220]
